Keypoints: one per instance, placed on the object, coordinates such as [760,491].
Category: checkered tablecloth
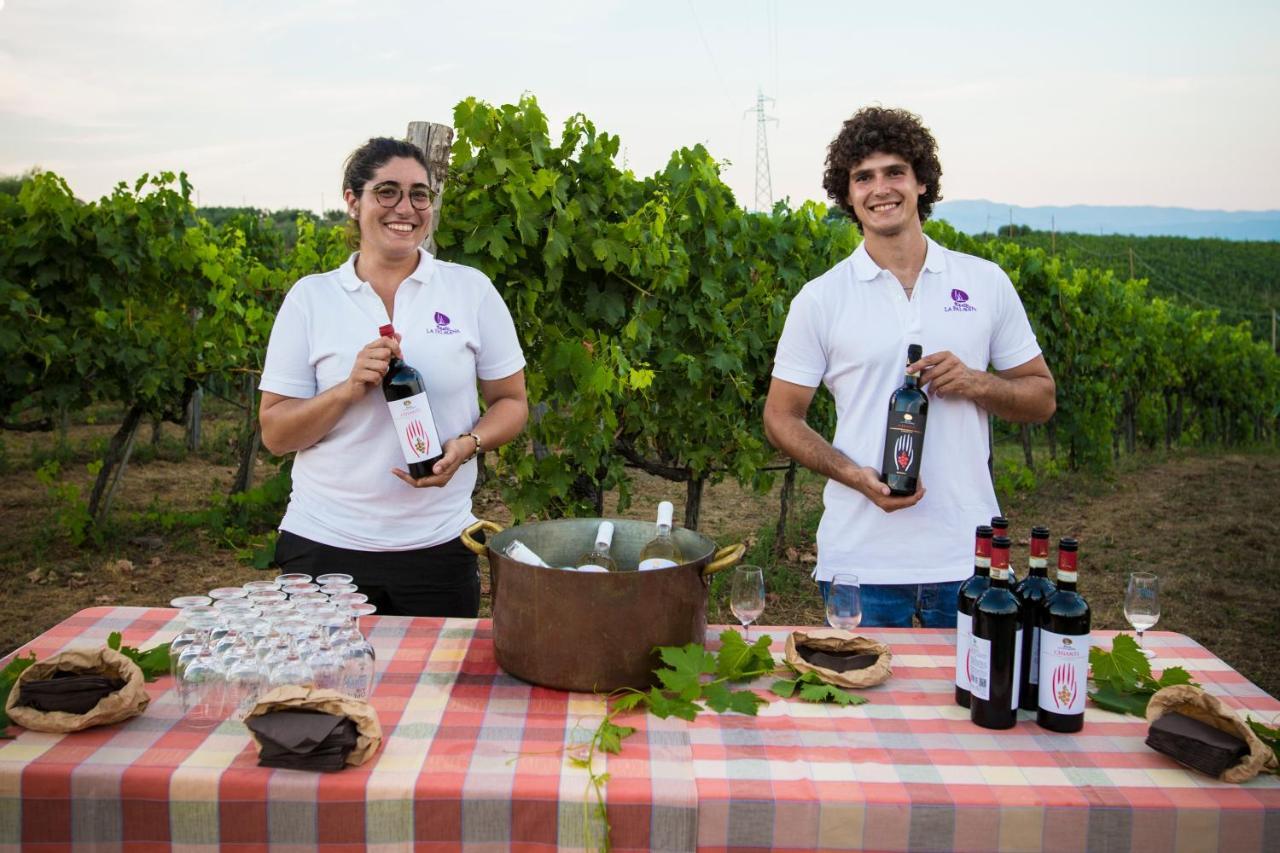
[474,759]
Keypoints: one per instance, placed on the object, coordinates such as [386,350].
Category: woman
[354,508]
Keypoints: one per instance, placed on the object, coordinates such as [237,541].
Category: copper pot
[594,632]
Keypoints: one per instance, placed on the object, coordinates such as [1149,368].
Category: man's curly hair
[889,131]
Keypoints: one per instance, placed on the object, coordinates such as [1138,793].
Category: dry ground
[1205,522]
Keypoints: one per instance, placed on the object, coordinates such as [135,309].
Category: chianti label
[1064,672]
[419,440]
[964,633]
[902,445]
[980,667]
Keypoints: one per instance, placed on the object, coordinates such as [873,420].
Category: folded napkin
[1194,744]
[838,661]
[303,740]
[839,657]
[66,691]
[1200,749]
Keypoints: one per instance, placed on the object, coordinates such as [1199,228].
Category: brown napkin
[129,699]
[302,733]
[1195,744]
[838,661]
[303,740]
[839,657]
[1193,702]
[66,691]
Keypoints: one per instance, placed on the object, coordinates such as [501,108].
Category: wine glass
[844,602]
[1142,604]
[746,596]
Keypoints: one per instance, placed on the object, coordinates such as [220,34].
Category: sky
[1134,103]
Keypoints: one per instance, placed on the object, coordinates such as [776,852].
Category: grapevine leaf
[1108,698]
[611,735]
[685,667]
[113,640]
[785,687]
[662,706]
[8,676]
[1175,675]
[738,661]
[1270,736]
[628,702]
[823,692]
[1124,667]
[717,696]
[745,702]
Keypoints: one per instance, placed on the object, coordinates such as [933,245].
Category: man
[849,330]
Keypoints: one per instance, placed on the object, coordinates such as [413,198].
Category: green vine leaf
[1121,679]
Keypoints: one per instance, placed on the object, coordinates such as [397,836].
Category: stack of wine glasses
[238,642]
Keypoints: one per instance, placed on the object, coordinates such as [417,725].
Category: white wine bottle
[661,552]
[522,553]
[598,559]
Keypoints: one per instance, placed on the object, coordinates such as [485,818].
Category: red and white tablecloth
[474,759]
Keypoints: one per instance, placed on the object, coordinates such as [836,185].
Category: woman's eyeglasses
[389,195]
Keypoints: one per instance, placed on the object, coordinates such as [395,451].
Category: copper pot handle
[729,555]
[473,546]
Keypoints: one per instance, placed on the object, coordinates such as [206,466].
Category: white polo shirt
[849,329]
[454,329]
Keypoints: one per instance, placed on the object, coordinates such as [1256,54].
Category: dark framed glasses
[390,193]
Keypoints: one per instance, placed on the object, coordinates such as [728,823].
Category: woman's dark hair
[372,156]
[369,158]
[887,131]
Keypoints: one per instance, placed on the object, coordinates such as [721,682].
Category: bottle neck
[1000,577]
[982,567]
[912,380]
[1038,568]
[663,531]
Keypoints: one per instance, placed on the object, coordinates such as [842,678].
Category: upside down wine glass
[746,596]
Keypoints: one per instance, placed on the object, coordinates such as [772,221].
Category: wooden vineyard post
[436,141]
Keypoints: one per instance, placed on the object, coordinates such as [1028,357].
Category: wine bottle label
[1033,672]
[902,444]
[1017,671]
[1064,672]
[419,440]
[591,567]
[964,632]
[656,563]
[980,668]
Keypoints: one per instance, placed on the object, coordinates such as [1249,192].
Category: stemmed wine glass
[844,602]
[746,596]
[1142,605]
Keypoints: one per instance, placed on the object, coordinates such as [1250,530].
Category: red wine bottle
[1000,527]
[997,646]
[904,437]
[411,413]
[1064,649]
[970,590]
[1034,590]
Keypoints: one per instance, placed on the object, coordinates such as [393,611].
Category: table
[473,759]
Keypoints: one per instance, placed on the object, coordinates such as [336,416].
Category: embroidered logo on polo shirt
[442,325]
[959,301]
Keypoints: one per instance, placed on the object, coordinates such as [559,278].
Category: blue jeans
[893,605]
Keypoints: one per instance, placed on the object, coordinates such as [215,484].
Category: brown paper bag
[834,640]
[1207,708]
[129,701]
[331,702]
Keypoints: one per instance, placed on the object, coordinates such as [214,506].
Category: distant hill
[975,217]
[1241,279]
